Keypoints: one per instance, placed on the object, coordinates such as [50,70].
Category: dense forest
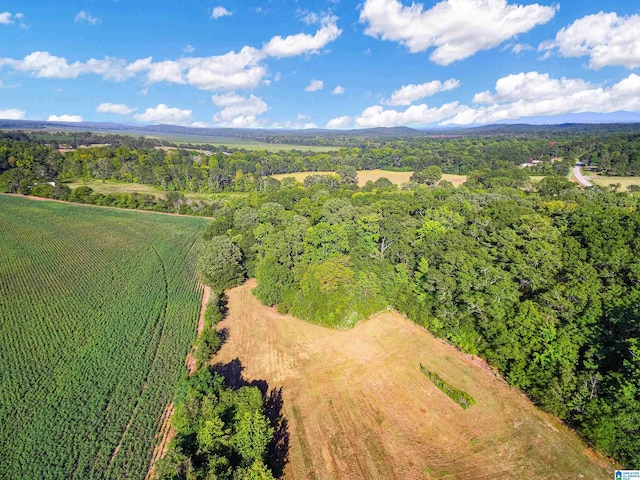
[543,281]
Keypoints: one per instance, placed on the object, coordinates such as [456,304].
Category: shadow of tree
[273,401]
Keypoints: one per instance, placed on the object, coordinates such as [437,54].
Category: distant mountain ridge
[272,135]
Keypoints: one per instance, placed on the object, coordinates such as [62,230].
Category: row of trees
[221,432]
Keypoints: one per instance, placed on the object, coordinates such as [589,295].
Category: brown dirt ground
[359,407]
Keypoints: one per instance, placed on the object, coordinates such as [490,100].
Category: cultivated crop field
[358,406]
[97,311]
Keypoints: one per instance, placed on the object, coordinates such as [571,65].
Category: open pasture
[98,308]
[358,406]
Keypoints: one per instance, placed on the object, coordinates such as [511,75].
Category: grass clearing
[358,405]
[113,187]
[98,309]
[605,181]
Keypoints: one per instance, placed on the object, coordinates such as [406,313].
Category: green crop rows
[97,311]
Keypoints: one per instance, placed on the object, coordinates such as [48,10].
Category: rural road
[581,179]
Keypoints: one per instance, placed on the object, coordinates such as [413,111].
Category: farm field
[358,406]
[365,175]
[97,311]
[240,143]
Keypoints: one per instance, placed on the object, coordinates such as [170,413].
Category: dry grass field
[358,406]
[365,175]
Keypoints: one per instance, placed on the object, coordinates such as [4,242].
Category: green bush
[461,398]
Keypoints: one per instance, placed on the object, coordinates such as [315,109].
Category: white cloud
[533,94]
[530,86]
[44,65]
[200,125]
[233,70]
[116,108]
[606,38]
[65,118]
[408,94]
[189,49]
[164,114]
[301,117]
[310,18]
[239,111]
[456,29]
[12,114]
[521,47]
[314,86]
[293,125]
[300,43]
[84,16]
[422,114]
[340,122]
[5,19]
[339,90]
[219,12]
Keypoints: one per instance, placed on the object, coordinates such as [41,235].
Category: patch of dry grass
[372,175]
[359,407]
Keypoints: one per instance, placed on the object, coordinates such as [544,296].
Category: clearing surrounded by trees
[358,406]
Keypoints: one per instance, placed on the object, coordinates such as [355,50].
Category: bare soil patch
[358,406]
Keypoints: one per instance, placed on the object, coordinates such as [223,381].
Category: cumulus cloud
[244,69]
[530,86]
[164,114]
[65,118]
[408,94]
[116,108]
[86,17]
[340,122]
[189,49]
[12,114]
[534,94]
[300,43]
[456,29]
[606,38]
[314,86]
[239,111]
[339,90]
[377,116]
[219,12]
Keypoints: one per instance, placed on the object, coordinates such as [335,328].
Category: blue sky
[335,64]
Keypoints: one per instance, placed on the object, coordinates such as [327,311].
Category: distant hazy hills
[273,134]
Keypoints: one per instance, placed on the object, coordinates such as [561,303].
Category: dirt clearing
[358,406]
